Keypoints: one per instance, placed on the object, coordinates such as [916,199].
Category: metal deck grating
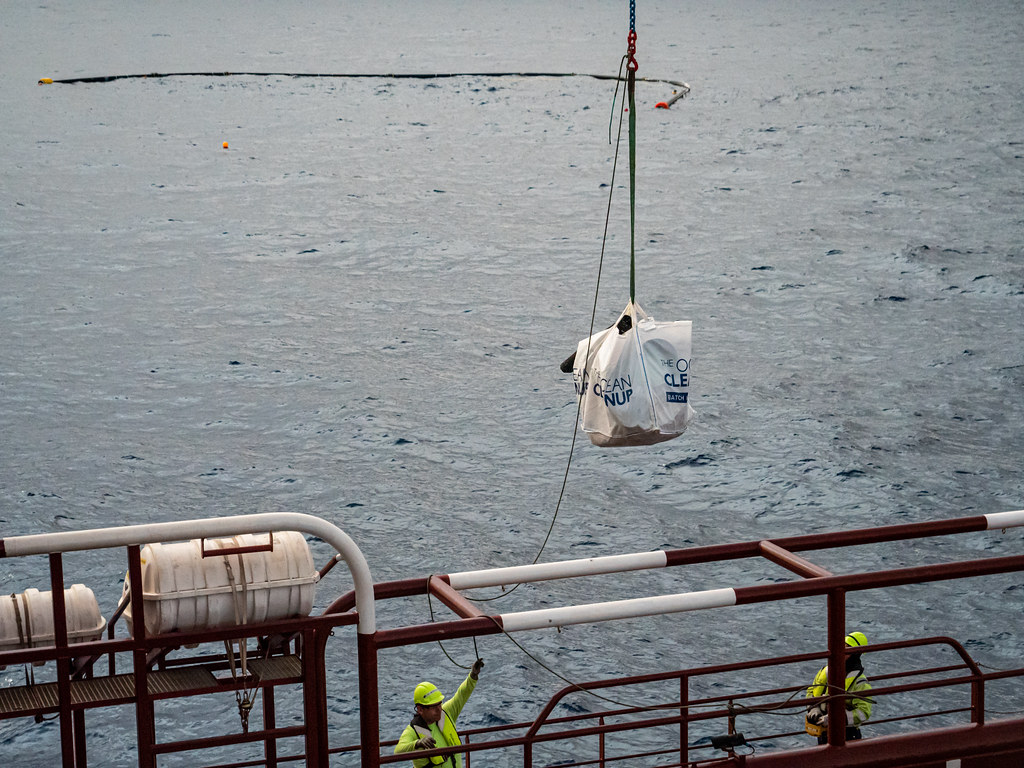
[277,667]
[99,691]
[170,681]
[27,698]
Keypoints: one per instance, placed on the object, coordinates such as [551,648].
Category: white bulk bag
[636,385]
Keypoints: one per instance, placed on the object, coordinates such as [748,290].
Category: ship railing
[677,714]
[591,734]
[815,580]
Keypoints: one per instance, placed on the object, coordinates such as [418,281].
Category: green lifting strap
[632,186]
[631,68]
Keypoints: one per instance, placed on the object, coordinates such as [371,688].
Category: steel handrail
[545,728]
[691,556]
[533,733]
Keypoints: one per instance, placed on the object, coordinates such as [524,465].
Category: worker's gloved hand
[477,666]
[427,742]
[817,715]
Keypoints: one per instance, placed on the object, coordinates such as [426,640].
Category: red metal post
[310,689]
[81,758]
[145,722]
[60,640]
[684,724]
[369,712]
[323,737]
[977,699]
[836,667]
[269,724]
[600,744]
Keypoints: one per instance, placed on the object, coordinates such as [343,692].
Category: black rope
[563,678]
[593,317]
[770,709]
[476,651]
[617,702]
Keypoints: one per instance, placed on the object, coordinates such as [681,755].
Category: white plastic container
[26,619]
[184,591]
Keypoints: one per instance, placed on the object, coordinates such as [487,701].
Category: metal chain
[631,38]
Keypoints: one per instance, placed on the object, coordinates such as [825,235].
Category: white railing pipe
[620,609]
[999,520]
[562,569]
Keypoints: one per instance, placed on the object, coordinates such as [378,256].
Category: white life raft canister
[184,591]
[26,619]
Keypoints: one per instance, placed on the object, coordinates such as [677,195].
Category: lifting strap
[631,68]
[245,696]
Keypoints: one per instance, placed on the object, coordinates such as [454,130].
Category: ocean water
[357,309]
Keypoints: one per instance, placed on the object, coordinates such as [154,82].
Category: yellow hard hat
[856,639]
[427,694]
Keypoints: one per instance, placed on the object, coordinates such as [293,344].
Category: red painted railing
[613,735]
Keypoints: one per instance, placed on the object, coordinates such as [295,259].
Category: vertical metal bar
[323,745]
[836,667]
[60,640]
[977,700]
[469,755]
[81,758]
[684,724]
[600,743]
[145,720]
[369,714]
[309,693]
[269,724]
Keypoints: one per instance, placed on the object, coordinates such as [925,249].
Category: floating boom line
[682,89]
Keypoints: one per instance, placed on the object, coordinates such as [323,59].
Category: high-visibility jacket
[443,730]
[858,707]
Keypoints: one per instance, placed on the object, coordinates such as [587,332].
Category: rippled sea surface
[357,308]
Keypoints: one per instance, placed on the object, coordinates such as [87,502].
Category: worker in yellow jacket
[433,725]
[858,707]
